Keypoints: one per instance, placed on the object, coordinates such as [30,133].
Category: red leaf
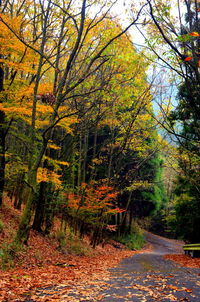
[188,290]
[188,59]
[194,34]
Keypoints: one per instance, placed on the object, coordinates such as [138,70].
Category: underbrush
[71,243]
[9,253]
[1,226]
[135,240]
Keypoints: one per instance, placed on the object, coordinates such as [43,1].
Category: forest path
[149,276]
[146,276]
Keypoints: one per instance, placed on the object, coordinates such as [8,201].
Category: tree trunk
[85,151]
[80,162]
[22,234]
[93,170]
[40,208]
[130,219]
[18,192]
[110,158]
[50,209]
[2,142]
[124,215]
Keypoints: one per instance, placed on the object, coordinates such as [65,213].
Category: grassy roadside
[135,240]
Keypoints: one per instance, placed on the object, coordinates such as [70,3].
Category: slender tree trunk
[22,234]
[124,215]
[41,203]
[85,151]
[2,141]
[40,208]
[50,209]
[73,168]
[93,170]
[80,162]
[130,219]
[18,193]
[110,158]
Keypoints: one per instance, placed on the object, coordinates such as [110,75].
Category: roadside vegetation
[99,135]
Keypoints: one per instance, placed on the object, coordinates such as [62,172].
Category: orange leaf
[188,59]
[100,297]
[194,34]
[198,63]
[188,290]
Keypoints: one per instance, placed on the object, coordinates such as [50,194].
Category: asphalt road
[150,277]
[146,276]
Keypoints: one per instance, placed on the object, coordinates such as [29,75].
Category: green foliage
[61,236]
[171,224]
[75,245]
[9,253]
[71,243]
[135,240]
[154,197]
[187,217]
[77,149]
[1,226]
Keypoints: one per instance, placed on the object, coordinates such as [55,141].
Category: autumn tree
[177,33]
[64,59]
[14,65]
[103,144]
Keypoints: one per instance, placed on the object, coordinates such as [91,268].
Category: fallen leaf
[187,59]
[194,34]
[188,290]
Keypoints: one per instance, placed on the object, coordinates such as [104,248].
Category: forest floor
[41,272]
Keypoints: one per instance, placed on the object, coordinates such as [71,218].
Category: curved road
[150,277]
[146,276]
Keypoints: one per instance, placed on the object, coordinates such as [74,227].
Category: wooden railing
[192,249]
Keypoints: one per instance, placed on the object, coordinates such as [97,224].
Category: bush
[61,236]
[78,248]
[9,253]
[187,218]
[1,226]
[135,240]
[71,243]
[132,241]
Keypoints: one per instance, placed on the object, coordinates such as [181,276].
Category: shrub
[9,253]
[1,226]
[135,240]
[61,236]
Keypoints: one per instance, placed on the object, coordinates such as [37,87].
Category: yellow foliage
[45,88]
[16,111]
[53,146]
[46,175]
[44,109]
[139,185]
[67,122]
[12,48]
[25,92]
[63,163]
[97,161]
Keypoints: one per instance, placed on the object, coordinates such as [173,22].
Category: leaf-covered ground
[54,269]
[42,265]
[43,273]
[184,260]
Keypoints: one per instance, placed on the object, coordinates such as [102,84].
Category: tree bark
[40,208]
[2,141]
